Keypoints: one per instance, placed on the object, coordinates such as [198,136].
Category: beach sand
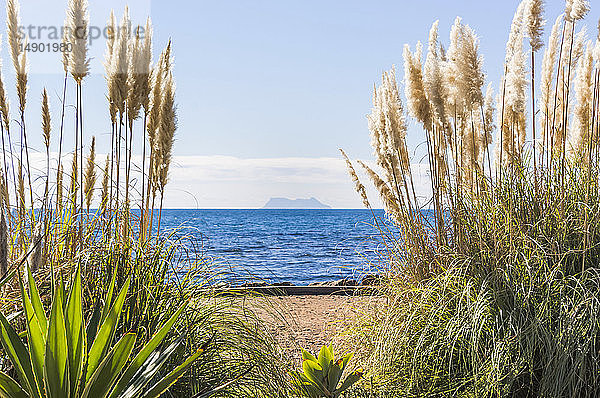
[308,322]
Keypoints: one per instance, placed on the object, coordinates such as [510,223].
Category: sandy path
[308,321]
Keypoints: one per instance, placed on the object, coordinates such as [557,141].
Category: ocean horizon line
[95,209]
[263,208]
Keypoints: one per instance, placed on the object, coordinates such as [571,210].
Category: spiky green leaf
[334,374]
[105,335]
[10,388]
[172,377]
[307,355]
[109,369]
[37,302]
[75,330]
[56,369]
[109,295]
[92,327]
[145,352]
[325,358]
[18,355]
[314,372]
[350,380]
[36,339]
[146,372]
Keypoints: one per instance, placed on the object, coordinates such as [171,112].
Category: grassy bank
[114,272]
[493,289]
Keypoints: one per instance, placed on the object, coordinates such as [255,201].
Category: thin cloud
[232,182]
[226,181]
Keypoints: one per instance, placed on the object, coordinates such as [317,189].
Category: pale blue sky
[263,87]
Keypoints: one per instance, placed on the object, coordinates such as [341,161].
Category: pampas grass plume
[111,35]
[134,100]
[111,82]
[470,68]
[418,105]
[451,73]
[390,202]
[547,74]
[90,174]
[46,126]
[515,37]
[584,93]
[158,74]
[119,64]
[516,81]
[433,78]
[3,245]
[78,30]
[358,186]
[166,133]
[576,9]
[395,122]
[388,127]
[59,188]
[73,181]
[535,23]
[18,56]
[15,40]
[488,111]
[105,178]
[516,77]
[22,81]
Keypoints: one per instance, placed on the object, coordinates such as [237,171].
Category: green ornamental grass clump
[495,273]
[78,212]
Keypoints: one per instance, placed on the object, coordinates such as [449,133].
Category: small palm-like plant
[321,376]
[65,358]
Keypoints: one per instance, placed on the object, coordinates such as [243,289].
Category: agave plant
[65,358]
[321,376]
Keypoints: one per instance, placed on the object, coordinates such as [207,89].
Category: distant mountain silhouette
[285,203]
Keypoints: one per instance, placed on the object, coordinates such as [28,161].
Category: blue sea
[296,245]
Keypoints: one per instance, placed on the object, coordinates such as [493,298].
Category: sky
[267,91]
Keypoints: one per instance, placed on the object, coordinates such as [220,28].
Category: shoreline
[343,287]
[284,291]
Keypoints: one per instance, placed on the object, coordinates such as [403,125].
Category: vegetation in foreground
[321,375]
[495,277]
[494,290]
[146,299]
[66,358]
